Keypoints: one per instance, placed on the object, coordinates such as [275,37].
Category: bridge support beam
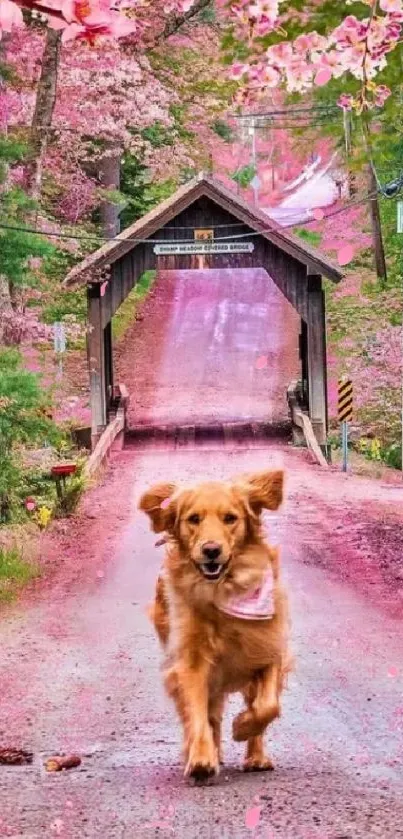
[316,333]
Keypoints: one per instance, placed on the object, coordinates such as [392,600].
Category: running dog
[220,613]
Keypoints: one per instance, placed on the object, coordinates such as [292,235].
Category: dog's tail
[158,612]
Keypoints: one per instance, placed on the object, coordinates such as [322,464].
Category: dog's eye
[194,519]
[230,518]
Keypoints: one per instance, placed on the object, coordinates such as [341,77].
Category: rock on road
[80,673]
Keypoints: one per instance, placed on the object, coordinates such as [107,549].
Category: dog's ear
[159,505]
[264,490]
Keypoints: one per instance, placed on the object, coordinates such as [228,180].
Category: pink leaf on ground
[252,817]
[100,574]
[261,362]
[165,503]
[392,672]
[345,254]
[318,214]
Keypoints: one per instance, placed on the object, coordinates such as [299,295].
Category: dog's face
[213,521]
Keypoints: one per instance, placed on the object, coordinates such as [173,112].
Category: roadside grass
[364,328]
[126,313]
[15,573]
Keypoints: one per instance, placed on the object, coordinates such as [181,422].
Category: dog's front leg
[202,758]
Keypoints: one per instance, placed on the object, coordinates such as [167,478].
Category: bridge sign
[203,247]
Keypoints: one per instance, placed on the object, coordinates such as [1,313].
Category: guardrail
[301,420]
[108,437]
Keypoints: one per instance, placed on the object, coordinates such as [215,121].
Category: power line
[311,109]
[265,229]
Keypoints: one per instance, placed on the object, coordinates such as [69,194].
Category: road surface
[79,671]
[212,346]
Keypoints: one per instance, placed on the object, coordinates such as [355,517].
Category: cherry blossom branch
[175,22]
[358,47]
[81,19]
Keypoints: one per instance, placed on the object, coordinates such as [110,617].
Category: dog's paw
[200,772]
[258,764]
[202,763]
[246,725]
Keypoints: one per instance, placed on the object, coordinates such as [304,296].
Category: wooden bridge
[195,228]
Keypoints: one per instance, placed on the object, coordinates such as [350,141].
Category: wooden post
[303,353]
[317,357]
[108,365]
[96,362]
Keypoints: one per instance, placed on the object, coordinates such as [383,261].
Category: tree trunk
[377,240]
[109,178]
[44,107]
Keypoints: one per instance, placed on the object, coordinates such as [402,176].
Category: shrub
[15,572]
[23,421]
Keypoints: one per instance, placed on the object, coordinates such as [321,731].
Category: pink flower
[391,5]
[345,101]
[381,94]
[10,15]
[238,70]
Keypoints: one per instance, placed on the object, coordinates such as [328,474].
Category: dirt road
[196,354]
[79,665]
[79,671]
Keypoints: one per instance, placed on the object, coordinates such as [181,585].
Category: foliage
[15,572]
[244,176]
[373,449]
[223,130]
[310,236]
[140,194]
[17,247]
[23,421]
[72,493]
[126,313]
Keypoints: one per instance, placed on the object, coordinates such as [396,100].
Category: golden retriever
[216,554]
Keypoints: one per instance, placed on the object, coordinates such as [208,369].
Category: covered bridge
[204,220]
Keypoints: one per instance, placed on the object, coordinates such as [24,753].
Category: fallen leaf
[261,362]
[252,817]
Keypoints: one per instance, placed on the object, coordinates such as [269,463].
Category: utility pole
[377,239]
[255,181]
[347,143]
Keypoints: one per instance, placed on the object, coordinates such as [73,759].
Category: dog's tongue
[255,605]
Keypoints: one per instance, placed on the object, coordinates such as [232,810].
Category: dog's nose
[211,550]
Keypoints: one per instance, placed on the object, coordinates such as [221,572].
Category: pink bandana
[255,605]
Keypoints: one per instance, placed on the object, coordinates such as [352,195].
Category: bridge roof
[203,186]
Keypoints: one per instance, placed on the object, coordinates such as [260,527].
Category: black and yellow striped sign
[345,401]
